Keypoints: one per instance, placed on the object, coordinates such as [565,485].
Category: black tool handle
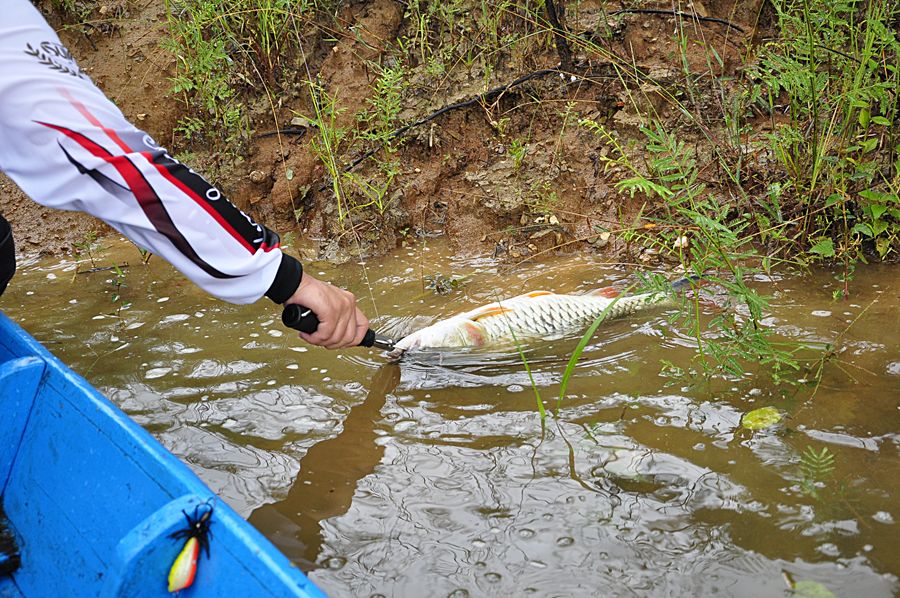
[303,319]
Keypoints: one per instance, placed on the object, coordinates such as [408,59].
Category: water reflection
[334,467]
[437,477]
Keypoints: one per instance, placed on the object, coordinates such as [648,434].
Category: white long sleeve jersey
[68,147]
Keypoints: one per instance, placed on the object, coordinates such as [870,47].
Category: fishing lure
[198,534]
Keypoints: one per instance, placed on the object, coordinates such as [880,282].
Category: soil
[459,175]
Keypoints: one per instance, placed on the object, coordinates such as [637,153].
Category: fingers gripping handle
[303,319]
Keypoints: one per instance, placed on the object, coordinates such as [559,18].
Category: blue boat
[92,499]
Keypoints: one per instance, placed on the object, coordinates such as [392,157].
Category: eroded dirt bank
[512,173]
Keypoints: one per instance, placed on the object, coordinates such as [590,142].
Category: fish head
[455,332]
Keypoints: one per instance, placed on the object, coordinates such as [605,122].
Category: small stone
[258,177]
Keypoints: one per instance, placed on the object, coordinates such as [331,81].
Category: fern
[815,467]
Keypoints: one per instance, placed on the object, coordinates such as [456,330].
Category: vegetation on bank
[792,157]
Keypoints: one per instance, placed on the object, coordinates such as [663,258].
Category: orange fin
[608,292]
[487,311]
[537,293]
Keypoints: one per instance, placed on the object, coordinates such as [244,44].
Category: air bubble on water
[270,383]
[292,366]
[266,323]
[51,276]
[254,335]
[199,314]
[565,541]
[324,370]
[526,533]
[100,317]
[459,593]
[162,299]
[326,379]
[538,564]
[515,388]
[699,447]
[820,313]
[883,517]
[73,301]
[335,562]
[829,549]
[299,349]
[480,565]
[492,577]
[276,333]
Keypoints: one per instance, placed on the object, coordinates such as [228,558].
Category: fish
[538,314]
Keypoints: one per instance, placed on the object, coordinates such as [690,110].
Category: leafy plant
[835,67]
[815,467]
[717,251]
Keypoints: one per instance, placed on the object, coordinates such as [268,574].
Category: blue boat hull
[92,498]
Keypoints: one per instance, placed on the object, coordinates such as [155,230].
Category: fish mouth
[396,354]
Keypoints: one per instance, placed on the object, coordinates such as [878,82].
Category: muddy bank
[511,174]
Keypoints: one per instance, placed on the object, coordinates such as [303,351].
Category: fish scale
[536,314]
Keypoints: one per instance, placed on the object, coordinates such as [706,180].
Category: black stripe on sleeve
[290,272]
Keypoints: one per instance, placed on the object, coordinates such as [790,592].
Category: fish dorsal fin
[608,292]
[487,311]
[531,295]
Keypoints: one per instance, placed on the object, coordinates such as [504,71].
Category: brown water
[435,477]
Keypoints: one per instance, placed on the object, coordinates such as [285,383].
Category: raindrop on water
[493,577]
[526,533]
[565,541]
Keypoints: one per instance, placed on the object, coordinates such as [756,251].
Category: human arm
[67,146]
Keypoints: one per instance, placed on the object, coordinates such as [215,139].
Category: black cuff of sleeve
[290,272]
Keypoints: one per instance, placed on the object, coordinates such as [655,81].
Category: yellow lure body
[183,570]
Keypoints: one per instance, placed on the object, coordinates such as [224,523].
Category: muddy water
[436,477]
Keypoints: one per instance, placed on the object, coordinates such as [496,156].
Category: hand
[341,323]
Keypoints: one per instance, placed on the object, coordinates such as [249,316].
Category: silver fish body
[539,314]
